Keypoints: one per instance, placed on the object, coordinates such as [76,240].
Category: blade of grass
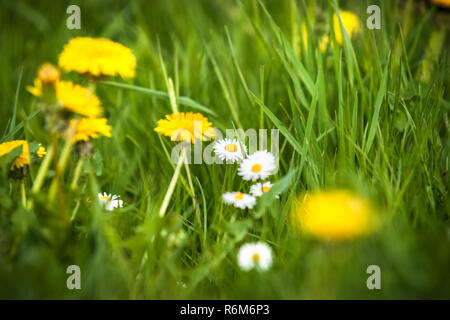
[161,94]
[378,102]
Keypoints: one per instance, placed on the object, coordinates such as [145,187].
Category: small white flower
[239,199]
[110,202]
[258,165]
[253,255]
[229,150]
[258,189]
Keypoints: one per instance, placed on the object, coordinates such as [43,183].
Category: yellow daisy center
[105,198]
[239,196]
[265,188]
[256,168]
[256,257]
[231,147]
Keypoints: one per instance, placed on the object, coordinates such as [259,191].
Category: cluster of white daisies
[257,166]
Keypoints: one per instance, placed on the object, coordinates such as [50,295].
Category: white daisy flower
[258,165]
[258,189]
[239,199]
[253,255]
[229,150]
[110,202]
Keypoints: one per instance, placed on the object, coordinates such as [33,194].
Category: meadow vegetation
[363,111]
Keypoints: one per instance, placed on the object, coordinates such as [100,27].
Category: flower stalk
[23,193]
[77,173]
[43,169]
[172,184]
[62,163]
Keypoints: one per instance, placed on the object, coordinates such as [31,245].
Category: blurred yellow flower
[323,40]
[97,57]
[41,151]
[90,128]
[185,127]
[48,74]
[73,98]
[444,3]
[333,215]
[351,24]
[23,159]
[78,99]
[36,90]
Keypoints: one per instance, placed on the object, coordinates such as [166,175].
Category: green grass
[371,116]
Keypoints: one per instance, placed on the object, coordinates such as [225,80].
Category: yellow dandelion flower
[90,128]
[333,215]
[351,24]
[78,99]
[36,90]
[23,159]
[185,127]
[97,57]
[48,74]
[72,97]
[41,151]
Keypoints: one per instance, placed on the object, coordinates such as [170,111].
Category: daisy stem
[23,194]
[191,186]
[172,185]
[43,169]
[224,187]
[77,173]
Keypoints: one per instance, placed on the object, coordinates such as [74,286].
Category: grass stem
[62,162]
[23,193]
[43,169]
[172,185]
[77,173]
